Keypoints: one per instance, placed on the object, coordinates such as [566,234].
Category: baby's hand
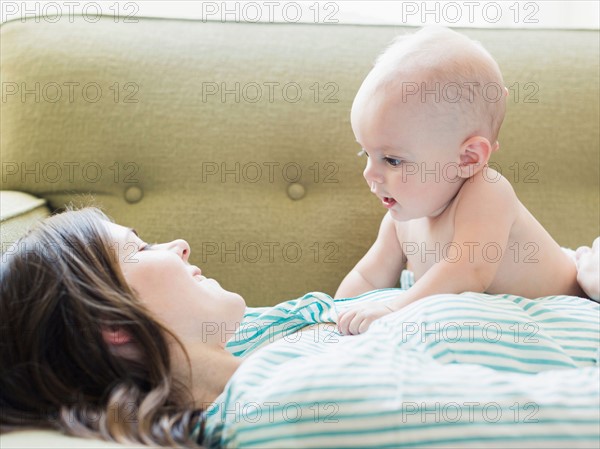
[357,320]
[588,269]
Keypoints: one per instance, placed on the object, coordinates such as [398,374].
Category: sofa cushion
[18,212]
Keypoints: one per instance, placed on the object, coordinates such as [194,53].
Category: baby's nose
[372,174]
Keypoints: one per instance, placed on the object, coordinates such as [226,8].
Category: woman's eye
[393,162]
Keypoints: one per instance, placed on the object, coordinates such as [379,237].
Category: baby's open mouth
[388,201]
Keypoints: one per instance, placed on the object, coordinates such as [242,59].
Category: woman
[81,352]
[106,336]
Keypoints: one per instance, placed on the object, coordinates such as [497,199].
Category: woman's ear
[116,337]
[121,344]
[474,154]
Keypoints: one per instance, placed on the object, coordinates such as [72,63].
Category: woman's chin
[239,304]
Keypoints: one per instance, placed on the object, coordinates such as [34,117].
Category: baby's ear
[474,154]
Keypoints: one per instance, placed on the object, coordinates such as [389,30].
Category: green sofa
[237,138]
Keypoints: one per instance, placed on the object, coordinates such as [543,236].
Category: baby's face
[412,164]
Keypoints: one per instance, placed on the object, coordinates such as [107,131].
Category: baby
[428,117]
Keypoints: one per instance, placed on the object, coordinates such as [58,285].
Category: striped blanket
[466,370]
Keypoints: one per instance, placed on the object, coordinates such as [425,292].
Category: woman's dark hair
[60,285]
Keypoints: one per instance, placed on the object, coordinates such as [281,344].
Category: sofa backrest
[237,138]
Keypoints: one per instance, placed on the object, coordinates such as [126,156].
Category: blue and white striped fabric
[467,370]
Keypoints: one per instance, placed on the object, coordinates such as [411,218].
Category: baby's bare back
[531,264]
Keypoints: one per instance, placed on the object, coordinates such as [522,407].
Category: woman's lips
[388,202]
[197,274]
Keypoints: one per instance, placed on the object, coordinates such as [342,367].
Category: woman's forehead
[120,232]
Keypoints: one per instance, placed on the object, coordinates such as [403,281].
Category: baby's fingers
[344,319]
[364,326]
[359,324]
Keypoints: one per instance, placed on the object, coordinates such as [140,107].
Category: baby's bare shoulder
[488,185]
[486,196]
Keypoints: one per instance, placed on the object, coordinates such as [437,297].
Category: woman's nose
[182,248]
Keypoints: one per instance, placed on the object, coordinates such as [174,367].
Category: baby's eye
[393,162]
[147,246]
[362,152]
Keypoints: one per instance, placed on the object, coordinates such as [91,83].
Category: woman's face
[193,307]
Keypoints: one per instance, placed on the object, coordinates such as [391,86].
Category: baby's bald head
[454,78]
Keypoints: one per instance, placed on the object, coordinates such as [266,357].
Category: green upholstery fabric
[18,212]
[171,136]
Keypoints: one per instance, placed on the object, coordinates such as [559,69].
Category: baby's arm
[380,267]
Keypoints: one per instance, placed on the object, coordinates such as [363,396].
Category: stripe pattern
[448,370]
